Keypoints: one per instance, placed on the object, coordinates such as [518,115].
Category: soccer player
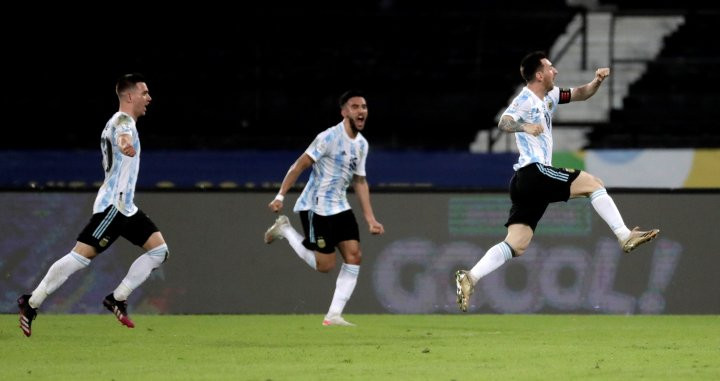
[337,156]
[114,213]
[536,183]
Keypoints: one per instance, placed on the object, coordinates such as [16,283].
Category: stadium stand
[263,79]
[673,104]
[268,77]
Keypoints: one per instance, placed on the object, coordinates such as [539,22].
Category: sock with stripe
[58,273]
[346,281]
[605,207]
[493,258]
[295,240]
[140,270]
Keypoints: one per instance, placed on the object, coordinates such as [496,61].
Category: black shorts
[533,187]
[323,233]
[104,228]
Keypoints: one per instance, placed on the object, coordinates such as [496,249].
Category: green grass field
[381,347]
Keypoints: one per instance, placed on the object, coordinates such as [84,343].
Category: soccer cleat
[274,232]
[119,308]
[637,238]
[336,320]
[27,314]
[464,289]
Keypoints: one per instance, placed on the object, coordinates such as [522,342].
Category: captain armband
[565,96]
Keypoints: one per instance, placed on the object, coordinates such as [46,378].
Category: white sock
[140,270]
[493,258]
[605,207]
[57,275]
[343,288]
[295,240]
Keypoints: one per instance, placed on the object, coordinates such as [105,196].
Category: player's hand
[125,143]
[376,227]
[128,150]
[275,205]
[602,73]
[533,129]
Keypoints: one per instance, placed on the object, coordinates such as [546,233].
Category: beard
[353,127]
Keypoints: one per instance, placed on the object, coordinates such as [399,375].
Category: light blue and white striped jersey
[337,158]
[528,108]
[120,171]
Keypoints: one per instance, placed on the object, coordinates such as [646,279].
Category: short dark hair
[349,94]
[530,64]
[128,81]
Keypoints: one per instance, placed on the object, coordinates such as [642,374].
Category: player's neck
[537,89]
[349,130]
[128,110]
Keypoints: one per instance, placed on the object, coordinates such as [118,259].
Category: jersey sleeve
[123,126]
[521,109]
[319,146]
[360,169]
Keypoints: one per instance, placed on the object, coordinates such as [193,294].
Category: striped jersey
[337,158]
[121,171]
[528,108]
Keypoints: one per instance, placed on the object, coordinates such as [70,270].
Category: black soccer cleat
[27,314]
[119,309]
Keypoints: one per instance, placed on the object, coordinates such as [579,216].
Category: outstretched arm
[362,190]
[509,125]
[125,143]
[301,164]
[588,90]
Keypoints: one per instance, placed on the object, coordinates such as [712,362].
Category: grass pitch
[381,347]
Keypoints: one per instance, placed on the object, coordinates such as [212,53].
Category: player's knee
[592,182]
[519,250]
[598,182]
[160,254]
[353,257]
[586,184]
[518,239]
[324,263]
[325,267]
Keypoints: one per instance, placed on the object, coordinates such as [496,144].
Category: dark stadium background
[268,76]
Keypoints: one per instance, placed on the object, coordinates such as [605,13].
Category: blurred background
[435,74]
[231,79]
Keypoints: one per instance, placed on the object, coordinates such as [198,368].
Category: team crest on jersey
[570,170]
[353,163]
[550,104]
[104,242]
[321,242]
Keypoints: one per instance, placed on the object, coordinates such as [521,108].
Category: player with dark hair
[536,183]
[337,157]
[114,212]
